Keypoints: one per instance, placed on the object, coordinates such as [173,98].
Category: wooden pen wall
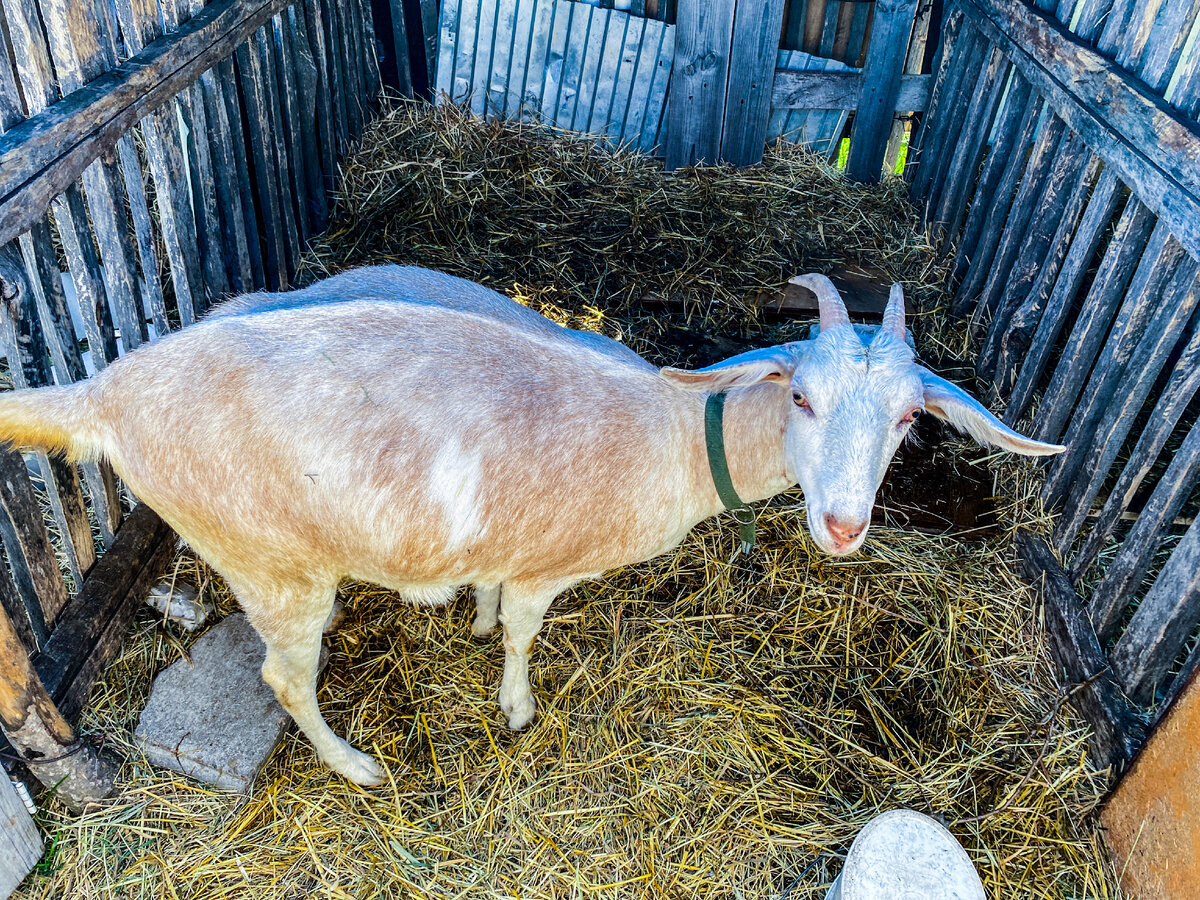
[1060,164]
[156,156]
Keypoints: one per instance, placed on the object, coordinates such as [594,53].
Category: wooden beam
[89,631]
[752,56]
[1087,676]
[841,90]
[1154,148]
[886,52]
[44,154]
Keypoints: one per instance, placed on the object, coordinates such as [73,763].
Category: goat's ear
[769,364]
[950,402]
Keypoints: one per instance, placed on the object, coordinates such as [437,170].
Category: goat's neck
[755,421]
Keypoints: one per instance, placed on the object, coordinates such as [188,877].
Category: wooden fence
[151,162]
[715,85]
[1060,163]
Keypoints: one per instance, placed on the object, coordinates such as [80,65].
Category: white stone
[180,602]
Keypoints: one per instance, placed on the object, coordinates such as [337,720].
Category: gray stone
[180,602]
[214,719]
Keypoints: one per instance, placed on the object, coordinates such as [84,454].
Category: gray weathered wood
[947,68]
[294,124]
[956,101]
[1182,386]
[90,630]
[696,104]
[334,51]
[39,733]
[1162,623]
[20,840]
[751,78]
[1152,279]
[1145,363]
[840,90]
[227,96]
[1034,184]
[1123,576]
[429,24]
[881,87]
[310,29]
[404,79]
[964,160]
[1154,149]
[1121,259]
[261,140]
[279,146]
[295,34]
[1097,218]
[1115,729]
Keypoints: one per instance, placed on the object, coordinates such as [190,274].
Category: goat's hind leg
[290,623]
[487,609]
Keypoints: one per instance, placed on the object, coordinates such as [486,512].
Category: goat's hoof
[359,767]
[481,630]
[521,714]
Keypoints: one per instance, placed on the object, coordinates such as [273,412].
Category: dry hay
[707,727]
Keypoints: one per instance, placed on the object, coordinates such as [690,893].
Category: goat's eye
[911,416]
[800,400]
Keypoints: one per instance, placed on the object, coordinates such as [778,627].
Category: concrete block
[180,602]
[214,719]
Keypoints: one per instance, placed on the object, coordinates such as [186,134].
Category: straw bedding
[707,727]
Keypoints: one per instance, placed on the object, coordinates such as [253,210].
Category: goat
[408,428]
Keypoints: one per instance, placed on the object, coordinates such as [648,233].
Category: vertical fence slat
[958,43]
[696,104]
[1151,278]
[1102,205]
[886,53]
[292,126]
[752,58]
[404,79]
[262,152]
[1162,622]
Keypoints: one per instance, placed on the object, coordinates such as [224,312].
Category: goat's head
[849,405]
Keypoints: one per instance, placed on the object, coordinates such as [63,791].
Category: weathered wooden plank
[1124,575]
[840,90]
[1147,360]
[229,96]
[39,733]
[1128,126]
[261,140]
[523,16]
[1182,386]
[1117,268]
[1163,46]
[1115,729]
[41,262]
[90,630]
[1150,282]
[751,80]
[881,87]
[963,161]
[404,79]
[369,48]
[311,30]
[574,41]
[481,55]
[442,75]
[20,840]
[1031,262]
[499,85]
[429,25]
[985,223]
[294,34]
[607,63]
[1034,185]
[1162,623]
[1101,207]
[589,75]
[28,365]
[637,31]
[696,105]
[71,217]
[656,103]
[914,64]
[27,546]
[154,304]
[337,76]
[534,73]
[281,167]
[958,43]
[637,107]
[463,70]
[291,148]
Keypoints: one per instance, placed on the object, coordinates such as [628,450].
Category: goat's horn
[829,301]
[893,315]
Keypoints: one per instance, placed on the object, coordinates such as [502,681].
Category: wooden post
[39,733]
[881,83]
[751,78]
[696,107]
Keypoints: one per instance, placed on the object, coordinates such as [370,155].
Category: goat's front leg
[487,609]
[521,611]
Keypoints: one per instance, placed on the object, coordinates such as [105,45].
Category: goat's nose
[843,532]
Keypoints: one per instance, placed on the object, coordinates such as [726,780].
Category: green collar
[718,465]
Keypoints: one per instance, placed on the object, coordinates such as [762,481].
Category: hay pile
[706,728]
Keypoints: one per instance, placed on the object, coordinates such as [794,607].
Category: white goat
[418,431]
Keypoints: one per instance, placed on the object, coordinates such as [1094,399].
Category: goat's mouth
[845,543]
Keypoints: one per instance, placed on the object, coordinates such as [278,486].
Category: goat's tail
[55,419]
